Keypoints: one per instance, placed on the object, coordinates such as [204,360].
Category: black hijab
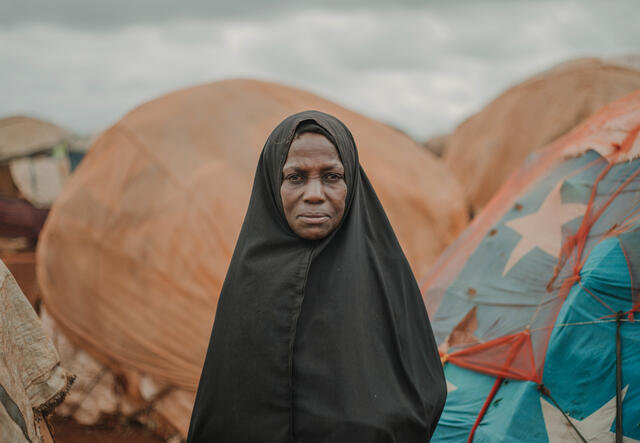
[318,341]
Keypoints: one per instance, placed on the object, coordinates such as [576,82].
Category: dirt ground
[68,431]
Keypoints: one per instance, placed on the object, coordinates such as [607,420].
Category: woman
[320,334]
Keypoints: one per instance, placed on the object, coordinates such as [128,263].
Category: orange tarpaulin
[484,150]
[135,250]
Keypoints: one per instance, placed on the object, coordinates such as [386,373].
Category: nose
[314,192]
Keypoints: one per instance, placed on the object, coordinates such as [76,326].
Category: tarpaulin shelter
[30,179]
[36,157]
[535,306]
[40,179]
[32,382]
[135,250]
[485,148]
[21,136]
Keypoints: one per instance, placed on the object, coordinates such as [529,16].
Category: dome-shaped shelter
[535,306]
[489,145]
[135,250]
[21,136]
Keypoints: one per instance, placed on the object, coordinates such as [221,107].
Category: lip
[314,218]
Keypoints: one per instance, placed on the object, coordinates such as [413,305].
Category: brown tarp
[485,148]
[21,136]
[136,247]
[31,380]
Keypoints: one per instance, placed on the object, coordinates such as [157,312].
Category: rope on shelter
[579,323]
[545,391]
[628,262]
[575,242]
[485,406]
[596,298]
[619,434]
[629,218]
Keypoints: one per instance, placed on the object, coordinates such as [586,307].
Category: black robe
[318,341]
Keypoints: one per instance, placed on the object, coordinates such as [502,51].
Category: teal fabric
[579,369]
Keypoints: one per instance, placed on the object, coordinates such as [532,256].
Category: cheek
[338,199]
[289,197]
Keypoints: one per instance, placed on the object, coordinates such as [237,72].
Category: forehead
[311,150]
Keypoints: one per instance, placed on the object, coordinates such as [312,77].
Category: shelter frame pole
[547,393]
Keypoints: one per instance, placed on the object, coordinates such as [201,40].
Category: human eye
[333,177]
[294,178]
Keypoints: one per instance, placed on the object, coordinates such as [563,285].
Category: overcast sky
[422,66]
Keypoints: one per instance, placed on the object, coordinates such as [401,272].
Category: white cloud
[421,69]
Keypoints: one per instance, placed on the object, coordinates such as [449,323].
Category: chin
[313,234]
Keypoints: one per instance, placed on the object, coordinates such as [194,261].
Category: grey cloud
[89,14]
[422,68]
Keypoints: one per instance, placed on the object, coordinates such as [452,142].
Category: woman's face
[313,188]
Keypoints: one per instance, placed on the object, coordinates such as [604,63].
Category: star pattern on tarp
[595,428]
[450,386]
[543,228]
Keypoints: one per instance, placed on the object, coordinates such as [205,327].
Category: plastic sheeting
[484,150]
[32,382]
[579,371]
[135,250]
[532,289]
[21,136]
[40,179]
